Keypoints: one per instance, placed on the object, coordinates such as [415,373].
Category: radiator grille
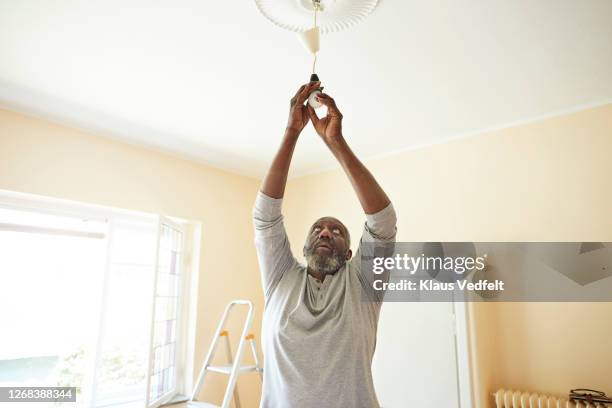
[524,399]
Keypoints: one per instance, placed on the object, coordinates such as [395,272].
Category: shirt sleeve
[380,227]
[271,242]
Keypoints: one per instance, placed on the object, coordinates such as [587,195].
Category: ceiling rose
[334,15]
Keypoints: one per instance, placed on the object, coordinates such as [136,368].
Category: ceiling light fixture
[329,16]
[296,15]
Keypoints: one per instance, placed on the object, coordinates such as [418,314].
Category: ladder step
[227,369]
[200,404]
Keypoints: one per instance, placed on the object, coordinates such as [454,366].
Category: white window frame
[461,317]
[179,321]
[186,322]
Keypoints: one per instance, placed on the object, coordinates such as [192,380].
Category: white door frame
[462,354]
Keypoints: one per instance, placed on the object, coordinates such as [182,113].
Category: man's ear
[349,254]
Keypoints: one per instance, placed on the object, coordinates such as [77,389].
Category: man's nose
[325,233]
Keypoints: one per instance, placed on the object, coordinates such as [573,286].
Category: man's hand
[298,115]
[329,127]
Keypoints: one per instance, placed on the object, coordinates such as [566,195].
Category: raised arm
[273,249]
[276,179]
[371,196]
[381,220]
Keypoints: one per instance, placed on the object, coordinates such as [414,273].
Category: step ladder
[233,368]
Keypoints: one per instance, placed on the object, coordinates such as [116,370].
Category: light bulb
[312,98]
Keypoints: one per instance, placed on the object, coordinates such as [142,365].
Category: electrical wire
[316,8]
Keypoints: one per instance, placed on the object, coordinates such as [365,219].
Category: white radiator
[523,399]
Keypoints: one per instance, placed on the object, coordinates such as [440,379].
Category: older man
[319,335]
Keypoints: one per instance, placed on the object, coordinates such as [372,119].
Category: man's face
[327,245]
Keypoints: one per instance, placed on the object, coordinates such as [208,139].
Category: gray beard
[327,264]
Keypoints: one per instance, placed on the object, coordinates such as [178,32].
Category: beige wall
[56,161]
[545,181]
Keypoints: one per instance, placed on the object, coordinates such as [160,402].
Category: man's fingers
[326,97]
[303,95]
[330,103]
[298,93]
[313,115]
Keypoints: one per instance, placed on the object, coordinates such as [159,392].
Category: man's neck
[316,274]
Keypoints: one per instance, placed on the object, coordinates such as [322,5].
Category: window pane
[50,295]
[127,316]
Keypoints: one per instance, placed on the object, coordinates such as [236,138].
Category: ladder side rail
[230,360]
[238,358]
[256,357]
[210,354]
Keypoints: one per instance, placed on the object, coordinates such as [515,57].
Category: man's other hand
[330,126]
[298,115]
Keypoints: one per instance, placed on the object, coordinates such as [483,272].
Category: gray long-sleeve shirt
[318,337]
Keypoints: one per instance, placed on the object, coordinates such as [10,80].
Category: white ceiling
[211,80]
